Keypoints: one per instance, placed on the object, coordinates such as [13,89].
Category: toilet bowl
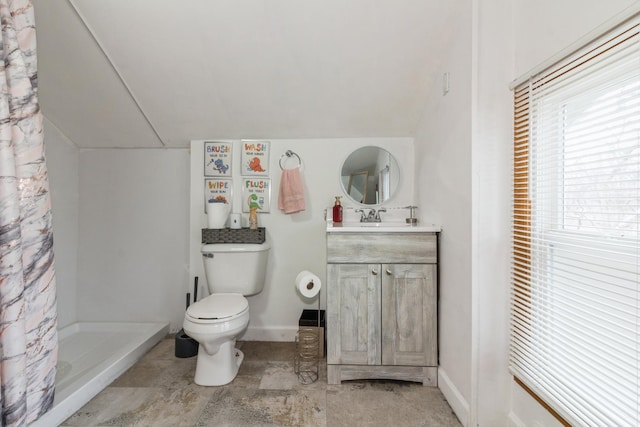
[233,271]
[215,322]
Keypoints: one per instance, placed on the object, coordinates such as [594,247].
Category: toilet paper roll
[308,284]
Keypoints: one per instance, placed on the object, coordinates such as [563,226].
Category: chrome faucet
[372,216]
[377,217]
[363,217]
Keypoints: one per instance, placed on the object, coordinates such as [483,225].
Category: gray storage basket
[233,235]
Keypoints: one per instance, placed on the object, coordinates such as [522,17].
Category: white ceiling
[153,73]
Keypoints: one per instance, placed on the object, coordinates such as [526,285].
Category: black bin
[185,346]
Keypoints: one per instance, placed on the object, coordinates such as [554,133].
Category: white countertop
[380,227]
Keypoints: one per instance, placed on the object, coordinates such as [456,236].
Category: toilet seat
[217,308]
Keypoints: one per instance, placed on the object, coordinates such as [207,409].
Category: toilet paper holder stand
[306,364]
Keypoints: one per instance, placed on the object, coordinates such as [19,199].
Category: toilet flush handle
[207,255]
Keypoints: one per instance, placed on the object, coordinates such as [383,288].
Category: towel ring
[289,154]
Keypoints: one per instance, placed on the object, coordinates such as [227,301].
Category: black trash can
[185,345]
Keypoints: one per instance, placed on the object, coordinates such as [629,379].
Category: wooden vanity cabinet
[382,306]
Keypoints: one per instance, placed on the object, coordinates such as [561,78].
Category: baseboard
[515,421]
[455,399]
[287,334]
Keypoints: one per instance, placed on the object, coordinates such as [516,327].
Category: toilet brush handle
[188,299]
[195,289]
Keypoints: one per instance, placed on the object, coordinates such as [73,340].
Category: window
[575,321]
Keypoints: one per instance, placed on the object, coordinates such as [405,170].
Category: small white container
[217,215]
[235,221]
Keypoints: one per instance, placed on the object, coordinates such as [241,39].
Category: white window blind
[575,315]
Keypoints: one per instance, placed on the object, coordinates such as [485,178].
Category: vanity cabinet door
[409,315]
[353,310]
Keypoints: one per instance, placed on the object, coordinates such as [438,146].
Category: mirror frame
[346,185]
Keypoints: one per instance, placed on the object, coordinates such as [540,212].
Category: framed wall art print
[217,158]
[255,157]
[256,191]
[218,190]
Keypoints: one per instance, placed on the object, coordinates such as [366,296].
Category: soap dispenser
[337,210]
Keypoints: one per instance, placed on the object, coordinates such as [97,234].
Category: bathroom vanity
[382,303]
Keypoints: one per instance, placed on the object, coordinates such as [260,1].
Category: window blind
[575,311]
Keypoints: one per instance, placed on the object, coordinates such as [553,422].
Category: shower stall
[121,272]
[90,356]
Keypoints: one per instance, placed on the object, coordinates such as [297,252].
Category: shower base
[90,356]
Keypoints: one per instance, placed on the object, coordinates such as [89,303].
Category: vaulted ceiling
[154,73]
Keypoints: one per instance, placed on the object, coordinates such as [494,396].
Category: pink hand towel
[291,196]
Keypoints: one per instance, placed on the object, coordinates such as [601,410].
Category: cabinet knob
[388,272]
[374,272]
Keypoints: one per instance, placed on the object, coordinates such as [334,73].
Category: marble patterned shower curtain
[28,337]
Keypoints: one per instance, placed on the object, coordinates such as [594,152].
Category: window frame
[524,249]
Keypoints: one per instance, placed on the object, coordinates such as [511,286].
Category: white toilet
[232,271]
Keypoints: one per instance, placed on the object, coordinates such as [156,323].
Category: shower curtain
[28,337]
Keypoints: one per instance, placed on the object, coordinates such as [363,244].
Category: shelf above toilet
[233,235]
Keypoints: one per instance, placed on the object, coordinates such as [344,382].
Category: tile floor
[159,391]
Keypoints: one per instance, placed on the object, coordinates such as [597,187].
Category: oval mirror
[370,175]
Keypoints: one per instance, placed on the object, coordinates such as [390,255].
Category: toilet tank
[235,267]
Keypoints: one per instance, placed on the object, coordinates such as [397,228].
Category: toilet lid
[218,306]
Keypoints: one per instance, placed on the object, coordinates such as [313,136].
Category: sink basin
[380,227]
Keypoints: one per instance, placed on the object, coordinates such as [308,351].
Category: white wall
[132,251]
[491,152]
[443,171]
[545,27]
[62,166]
[132,234]
[121,224]
[298,240]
